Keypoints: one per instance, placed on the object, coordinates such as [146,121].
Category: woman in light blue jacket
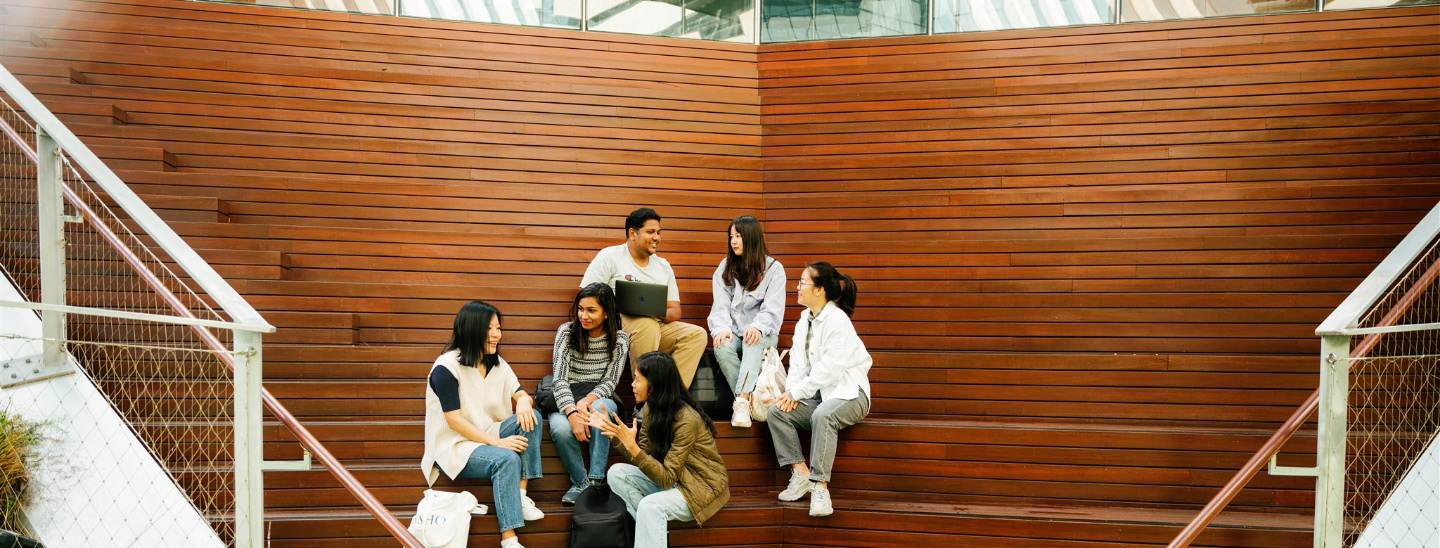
[749,287]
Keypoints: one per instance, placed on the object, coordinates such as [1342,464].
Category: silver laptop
[641,299]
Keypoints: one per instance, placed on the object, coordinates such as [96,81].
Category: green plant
[17,437]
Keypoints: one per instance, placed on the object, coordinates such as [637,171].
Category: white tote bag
[770,385]
[443,519]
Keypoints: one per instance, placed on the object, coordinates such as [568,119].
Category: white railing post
[51,205]
[249,442]
[758,21]
[1330,449]
[929,17]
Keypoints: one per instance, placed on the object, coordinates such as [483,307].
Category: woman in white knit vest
[479,423]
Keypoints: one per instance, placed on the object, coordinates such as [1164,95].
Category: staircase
[1065,357]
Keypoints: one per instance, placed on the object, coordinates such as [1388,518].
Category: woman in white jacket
[828,387]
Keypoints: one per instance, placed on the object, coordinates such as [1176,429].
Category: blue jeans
[652,507]
[737,365]
[506,468]
[569,447]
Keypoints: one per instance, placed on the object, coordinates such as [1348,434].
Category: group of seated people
[480,422]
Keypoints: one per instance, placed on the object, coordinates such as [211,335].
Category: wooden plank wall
[404,165]
[1090,259]
[359,178]
[1183,191]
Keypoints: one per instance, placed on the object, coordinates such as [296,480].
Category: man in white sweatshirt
[635,260]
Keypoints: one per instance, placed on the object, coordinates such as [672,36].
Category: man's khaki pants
[682,341]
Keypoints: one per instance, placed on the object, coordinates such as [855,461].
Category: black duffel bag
[545,393]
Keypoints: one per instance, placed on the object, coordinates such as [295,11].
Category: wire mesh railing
[152,388]
[1390,490]
[1378,406]
[162,380]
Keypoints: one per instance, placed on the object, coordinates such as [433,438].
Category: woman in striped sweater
[590,354]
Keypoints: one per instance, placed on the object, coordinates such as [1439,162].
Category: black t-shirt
[446,387]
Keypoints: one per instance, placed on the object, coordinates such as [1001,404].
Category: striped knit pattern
[593,365]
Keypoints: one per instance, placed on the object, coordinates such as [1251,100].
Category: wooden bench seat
[758,517]
[939,459]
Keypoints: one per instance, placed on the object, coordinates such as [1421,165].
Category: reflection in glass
[1359,4]
[727,20]
[530,13]
[973,15]
[1160,10]
[796,20]
[374,7]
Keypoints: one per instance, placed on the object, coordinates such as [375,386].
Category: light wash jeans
[824,420]
[506,468]
[737,364]
[652,507]
[569,448]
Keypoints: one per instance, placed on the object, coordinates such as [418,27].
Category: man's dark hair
[636,219]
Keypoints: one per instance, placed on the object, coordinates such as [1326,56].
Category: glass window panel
[375,7]
[724,20]
[973,15]
[797,20]
[1159,10]
[729,20]
[530,13]
[1361,4]
[787,20]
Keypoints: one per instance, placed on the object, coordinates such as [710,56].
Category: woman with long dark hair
[749,304]
[828,387]
[590,354]
[479,423]
[675,470]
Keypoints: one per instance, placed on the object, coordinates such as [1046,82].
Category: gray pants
[823,419]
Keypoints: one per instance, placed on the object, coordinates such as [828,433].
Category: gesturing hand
[515,443]
[616,430]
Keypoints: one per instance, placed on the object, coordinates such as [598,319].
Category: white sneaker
[529,510]
[741,417]
[799,486]
[511,542]
[820,502]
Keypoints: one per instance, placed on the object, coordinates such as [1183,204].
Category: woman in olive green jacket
[675,470]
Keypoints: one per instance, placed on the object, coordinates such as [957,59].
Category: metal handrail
[245,317]
[1339,323]
[1345,316]
[1246,473]
[215,286]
